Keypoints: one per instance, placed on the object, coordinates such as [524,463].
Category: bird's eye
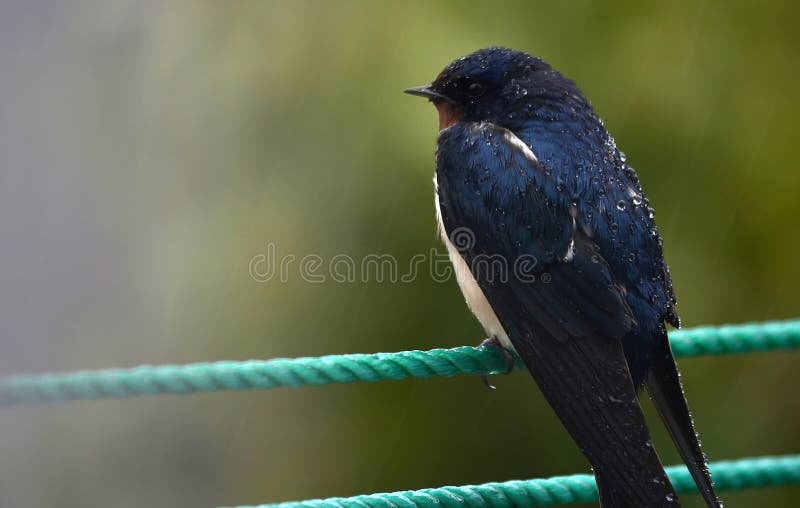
[475,90]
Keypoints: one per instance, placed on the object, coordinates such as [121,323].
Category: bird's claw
[510,360]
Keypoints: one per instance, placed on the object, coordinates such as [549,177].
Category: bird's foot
[509,357]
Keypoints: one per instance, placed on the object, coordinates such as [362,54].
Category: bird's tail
[664,385]
[588,384]
[613,494]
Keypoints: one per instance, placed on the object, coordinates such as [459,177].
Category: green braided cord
[736,339]
[579,488]
[218,376]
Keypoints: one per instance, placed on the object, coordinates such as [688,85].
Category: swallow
[556,251]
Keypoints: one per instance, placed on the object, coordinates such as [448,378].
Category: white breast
[476,300]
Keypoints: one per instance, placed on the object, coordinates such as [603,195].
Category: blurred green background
[149,150]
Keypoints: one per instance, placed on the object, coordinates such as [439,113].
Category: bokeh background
[148,150]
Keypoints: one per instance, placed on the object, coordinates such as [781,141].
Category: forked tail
[664,385]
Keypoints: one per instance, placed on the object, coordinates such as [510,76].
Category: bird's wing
[563,311]
[492,186]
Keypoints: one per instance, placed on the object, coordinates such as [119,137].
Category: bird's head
[499,85]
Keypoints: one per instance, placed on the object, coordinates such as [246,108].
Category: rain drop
[637,200]
[621,205]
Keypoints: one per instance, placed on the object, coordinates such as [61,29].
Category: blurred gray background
[148,150]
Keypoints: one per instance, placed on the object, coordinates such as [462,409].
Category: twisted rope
[579,488]
[246,375]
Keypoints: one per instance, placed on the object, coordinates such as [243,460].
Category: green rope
[217,376]
[579,488]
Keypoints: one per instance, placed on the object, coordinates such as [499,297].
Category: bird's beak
[449,111]
[427,91]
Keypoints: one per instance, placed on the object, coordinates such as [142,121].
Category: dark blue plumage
[525,164]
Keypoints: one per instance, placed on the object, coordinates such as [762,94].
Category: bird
[556,251]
